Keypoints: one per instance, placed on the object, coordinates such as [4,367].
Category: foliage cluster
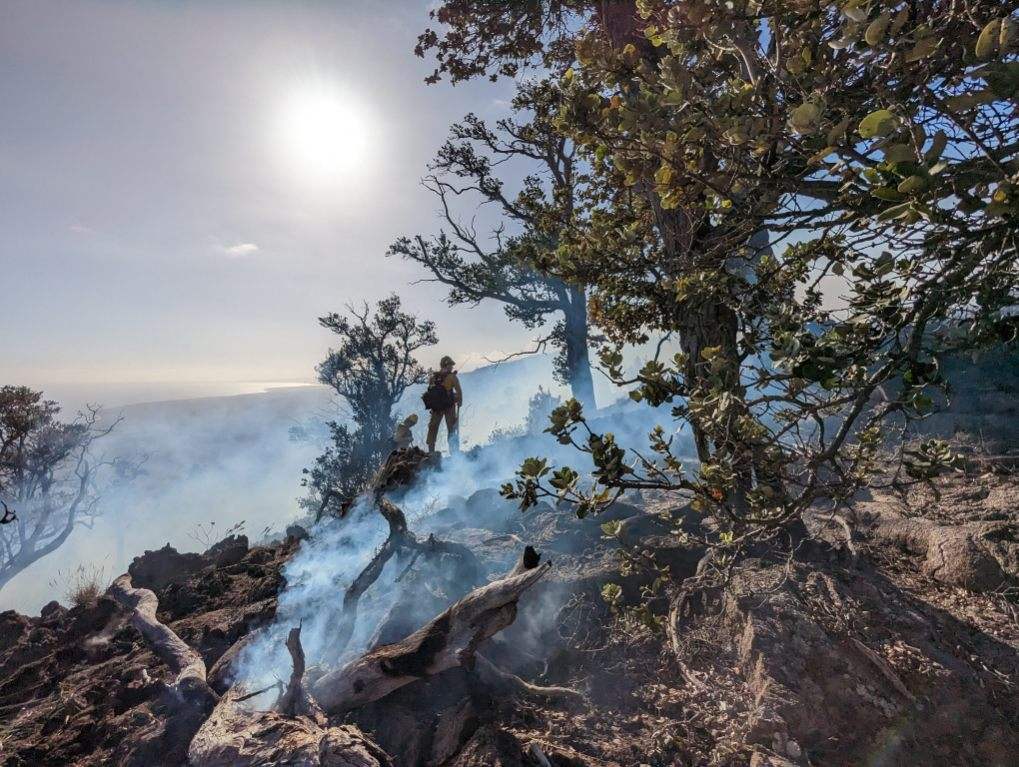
[370,370]
[532,224]
[49,475]
[817,200]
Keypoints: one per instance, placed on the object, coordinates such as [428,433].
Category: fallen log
[236,736]
[190,682]
[220,732]
[448,640]
[187,701]
[295,732]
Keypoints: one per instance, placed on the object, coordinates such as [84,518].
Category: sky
[172,209]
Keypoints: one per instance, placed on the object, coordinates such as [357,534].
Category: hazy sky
[169,210]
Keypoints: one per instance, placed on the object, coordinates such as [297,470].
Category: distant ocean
[72,397]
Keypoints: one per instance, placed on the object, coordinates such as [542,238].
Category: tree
[49,477]
[543,211]
[876,143]
[370,370]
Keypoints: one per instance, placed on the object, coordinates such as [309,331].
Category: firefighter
[444,398]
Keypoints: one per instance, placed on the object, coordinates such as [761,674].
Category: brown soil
[821,658]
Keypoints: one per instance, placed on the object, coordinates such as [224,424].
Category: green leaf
[838,131]
[533,467]
[894,212]
[966,101]
[612,593]
[879,123]
[886,193]
[804,119]
[611,529]
[912,184]
[899,153]
[938,144]
[987,42]
[876,29]
[900,19]
[855,12]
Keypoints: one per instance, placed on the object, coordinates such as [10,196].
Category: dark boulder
[157,569]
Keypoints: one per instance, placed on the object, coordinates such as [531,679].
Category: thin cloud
[241,249]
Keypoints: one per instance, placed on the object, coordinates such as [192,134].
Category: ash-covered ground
[895,642]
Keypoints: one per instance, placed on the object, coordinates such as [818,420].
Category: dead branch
[882,666]
[503,683]
[448,640]
[189,699]
[399,469]
[354,592]
[295,700]
[184,662]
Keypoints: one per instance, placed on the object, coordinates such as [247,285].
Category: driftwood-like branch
[235,736]
[399,470]
[295,700]
[184,662]
[189,699]
[446,641]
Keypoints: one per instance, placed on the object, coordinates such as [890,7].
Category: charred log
[190,682]
[295,700]
[398,470]
[448,640]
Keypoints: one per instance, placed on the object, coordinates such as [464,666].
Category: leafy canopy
[371,369]
[817,199]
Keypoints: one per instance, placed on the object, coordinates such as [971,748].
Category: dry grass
[83,585]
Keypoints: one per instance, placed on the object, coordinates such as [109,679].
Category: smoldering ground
[214,462]
[457,502]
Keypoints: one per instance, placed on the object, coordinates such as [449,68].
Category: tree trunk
[578,361]
[707,322]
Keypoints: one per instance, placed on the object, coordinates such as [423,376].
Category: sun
[324,133]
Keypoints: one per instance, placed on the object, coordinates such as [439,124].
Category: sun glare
[324,133]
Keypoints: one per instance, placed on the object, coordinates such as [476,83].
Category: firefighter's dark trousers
[452,427]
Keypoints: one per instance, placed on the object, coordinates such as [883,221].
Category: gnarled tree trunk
[576,341]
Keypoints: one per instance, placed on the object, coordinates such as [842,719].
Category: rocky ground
[892,639]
